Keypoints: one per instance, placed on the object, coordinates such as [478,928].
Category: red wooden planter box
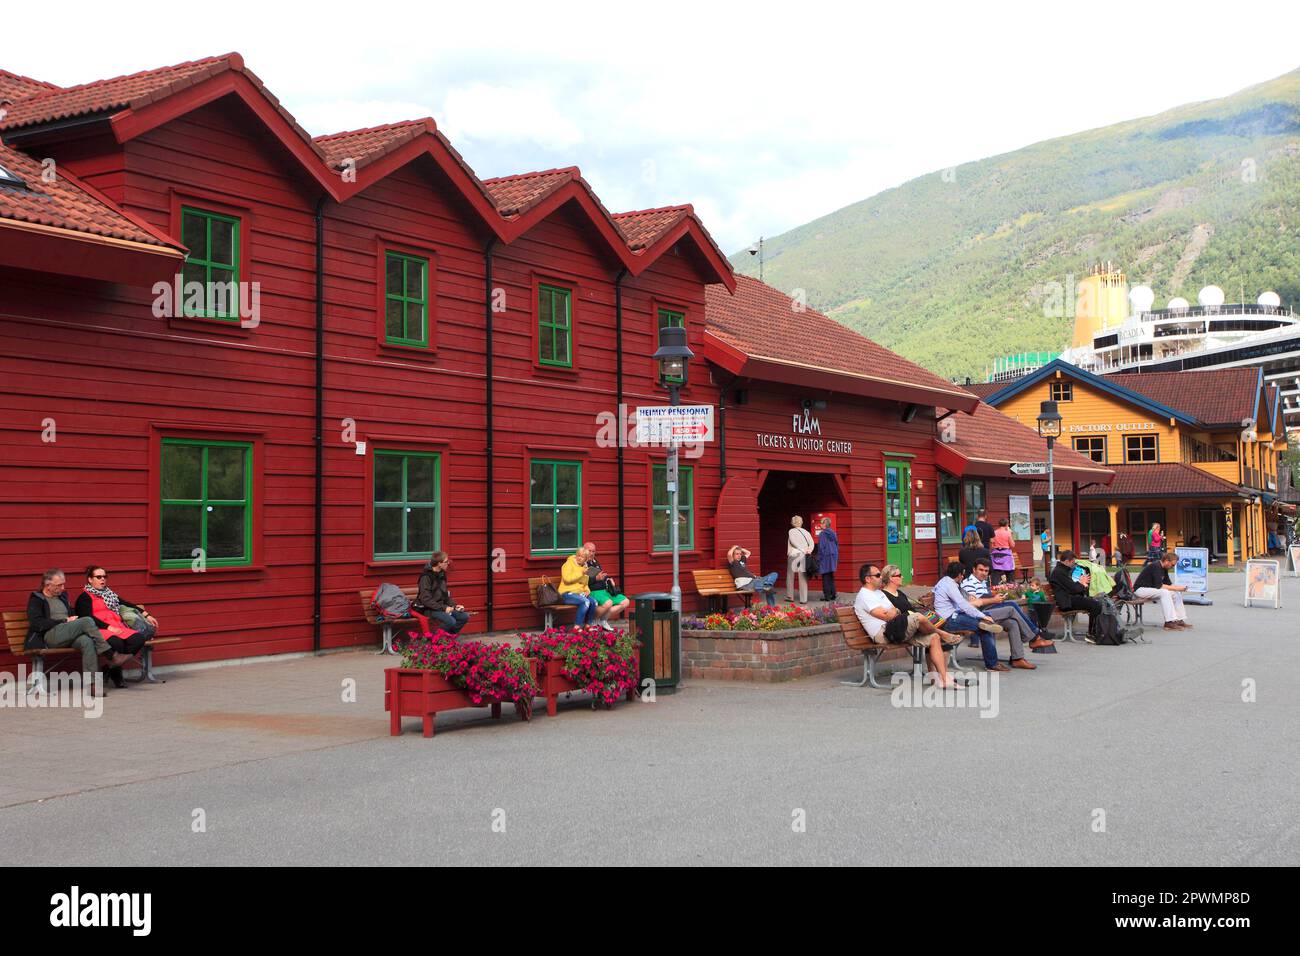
[553,684]
[413,692]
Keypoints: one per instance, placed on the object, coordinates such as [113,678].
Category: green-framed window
[206,502]
[213,242]
[555,325]
[974,500]
[662,509]
[668,318]
[407,518]
[554,506]
[406,300]
[950,511]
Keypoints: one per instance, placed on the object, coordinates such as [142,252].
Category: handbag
[546,593]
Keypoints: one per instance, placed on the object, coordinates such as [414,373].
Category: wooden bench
[548,610]
[857,639]
[1067,617]
[372,617]
[717,584]
[16,627]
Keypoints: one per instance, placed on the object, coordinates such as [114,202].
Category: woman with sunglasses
[125,626]
[926,633]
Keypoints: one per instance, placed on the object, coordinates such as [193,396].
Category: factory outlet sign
[1115,427]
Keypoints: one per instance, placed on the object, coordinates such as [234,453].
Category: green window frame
[554,325]
[661,530]
[406,300]
[671,318]
[406,514]
[975,500]
[950,510]
[206,501]
[554,506]
[213,241]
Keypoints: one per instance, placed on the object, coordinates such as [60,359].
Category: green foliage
[954,271]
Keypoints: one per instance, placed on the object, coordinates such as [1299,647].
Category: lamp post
[1049,427]
[672,356]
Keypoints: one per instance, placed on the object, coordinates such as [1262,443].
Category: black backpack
[1107,629]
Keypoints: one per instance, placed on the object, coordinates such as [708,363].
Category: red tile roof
[364,145]
[1212,396]
[517,194]
[643,227]
[985,389]
[14,87]
[989,435]
[134,90]
[63,203]
[762,322]
[1163,480]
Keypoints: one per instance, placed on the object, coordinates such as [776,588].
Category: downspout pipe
[489,449]
[618,406]
[318,504]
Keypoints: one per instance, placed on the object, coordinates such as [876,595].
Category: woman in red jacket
[100,602]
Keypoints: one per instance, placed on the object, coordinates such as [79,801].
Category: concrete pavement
[1156,737]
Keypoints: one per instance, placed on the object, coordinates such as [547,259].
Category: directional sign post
[1029,468]
[664,424]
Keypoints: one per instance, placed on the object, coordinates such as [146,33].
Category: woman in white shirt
[799,546]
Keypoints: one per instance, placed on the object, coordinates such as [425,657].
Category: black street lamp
[1049,427]
[672,356]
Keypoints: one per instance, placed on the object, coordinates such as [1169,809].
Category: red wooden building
[410,358]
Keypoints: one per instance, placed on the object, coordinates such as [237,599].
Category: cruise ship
[1118,332]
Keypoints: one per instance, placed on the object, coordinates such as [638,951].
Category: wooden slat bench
[856,638]
[16,634]
[373,618]
[717,584]
[548,610]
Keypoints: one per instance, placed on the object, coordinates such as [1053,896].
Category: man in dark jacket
[1072,595]
[51,623]
[983,528]
[435,597]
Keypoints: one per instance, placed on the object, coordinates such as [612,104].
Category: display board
[1263,581]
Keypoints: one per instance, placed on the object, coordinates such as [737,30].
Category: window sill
[692,553]
[559,371]
[396,349]
[192,323]
[240,572]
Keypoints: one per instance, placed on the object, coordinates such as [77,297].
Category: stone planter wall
[766,655]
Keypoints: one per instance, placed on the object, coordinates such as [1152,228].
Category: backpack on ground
[390,603]
[1107,629]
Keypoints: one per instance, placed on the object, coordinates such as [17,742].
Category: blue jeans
[586,607]
[451,623]
[961,621]
[765,584]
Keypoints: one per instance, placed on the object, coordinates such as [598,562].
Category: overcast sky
[764,115]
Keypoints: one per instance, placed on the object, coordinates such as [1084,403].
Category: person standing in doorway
[1046,540]
[799,545]
[828,558]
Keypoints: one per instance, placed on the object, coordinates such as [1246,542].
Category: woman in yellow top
[573,587]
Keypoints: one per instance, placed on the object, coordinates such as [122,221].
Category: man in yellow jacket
[573,587]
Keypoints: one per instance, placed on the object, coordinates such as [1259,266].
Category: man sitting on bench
[747,580]
[960,615]
[1018,627]
[880,615]
[1072,595]
[52,624]
[1154,582]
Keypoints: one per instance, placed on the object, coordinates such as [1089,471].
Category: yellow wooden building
[1196,452]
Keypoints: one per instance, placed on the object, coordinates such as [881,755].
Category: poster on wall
[925,517]
[1263,581]
[1295,560]
[1018,513]
[924,533]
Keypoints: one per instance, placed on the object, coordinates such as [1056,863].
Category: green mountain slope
[956,268]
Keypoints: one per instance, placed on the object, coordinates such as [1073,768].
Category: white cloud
[763,115]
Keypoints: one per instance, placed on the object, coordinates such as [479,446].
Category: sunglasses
[93,576]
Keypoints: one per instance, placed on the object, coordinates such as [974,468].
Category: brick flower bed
[766,655]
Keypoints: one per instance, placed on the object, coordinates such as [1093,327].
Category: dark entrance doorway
[788,493]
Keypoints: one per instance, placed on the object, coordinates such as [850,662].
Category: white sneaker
[606,626]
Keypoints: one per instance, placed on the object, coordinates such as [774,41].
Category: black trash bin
[659,629]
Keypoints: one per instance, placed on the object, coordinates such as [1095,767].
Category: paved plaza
[1154,736]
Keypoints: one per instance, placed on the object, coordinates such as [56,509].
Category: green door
[898,516]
